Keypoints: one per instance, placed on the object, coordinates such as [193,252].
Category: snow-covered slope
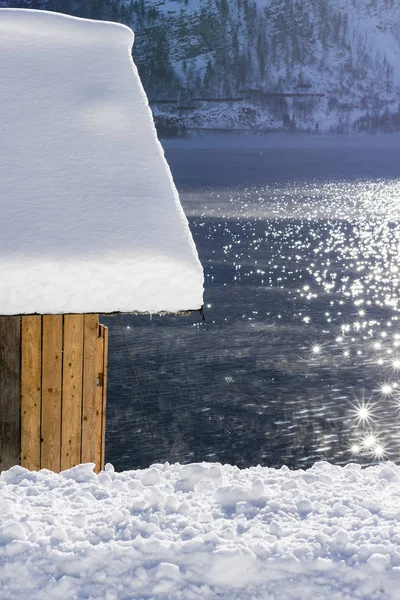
[91,219]
[201,531]
[309,64]
[293,64]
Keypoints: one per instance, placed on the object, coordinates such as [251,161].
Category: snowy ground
[201,531]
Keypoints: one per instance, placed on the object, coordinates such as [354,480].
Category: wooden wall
[52,413]
[10,391]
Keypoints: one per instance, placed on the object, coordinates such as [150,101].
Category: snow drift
[201,531]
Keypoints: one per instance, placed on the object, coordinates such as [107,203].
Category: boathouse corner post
[10,391]
[53,381]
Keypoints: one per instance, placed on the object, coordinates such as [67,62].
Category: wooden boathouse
[91,223]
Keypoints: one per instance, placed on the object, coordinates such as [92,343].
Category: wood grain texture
[89,410]
[71,437]
[104,413]
[99,398]
[52,342]
[10,391]
[31,395]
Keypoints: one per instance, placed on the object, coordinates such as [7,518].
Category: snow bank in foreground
[91,220]
[201,531]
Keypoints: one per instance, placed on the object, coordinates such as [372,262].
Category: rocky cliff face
[328,65]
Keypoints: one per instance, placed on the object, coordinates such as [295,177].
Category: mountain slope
[264,64]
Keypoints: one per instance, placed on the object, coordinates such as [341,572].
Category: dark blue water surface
[299,357]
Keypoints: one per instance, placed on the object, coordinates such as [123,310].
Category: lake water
[299,357]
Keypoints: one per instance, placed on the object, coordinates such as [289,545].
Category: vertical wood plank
[104,413]
[10,391]
[99,398]
[89,418]
[51,391]
[72,391]
[31,395]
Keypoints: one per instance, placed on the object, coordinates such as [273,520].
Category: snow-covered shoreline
[201,531]
[207,139]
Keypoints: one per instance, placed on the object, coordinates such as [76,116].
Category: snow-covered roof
[90,217]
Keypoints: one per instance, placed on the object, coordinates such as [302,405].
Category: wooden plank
[10,391]
[89,417]
[52,341]
[99,398]
[104,413]
[31,394]
[71,437]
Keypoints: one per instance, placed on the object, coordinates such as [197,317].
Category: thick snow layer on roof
[90,217]
[201,531]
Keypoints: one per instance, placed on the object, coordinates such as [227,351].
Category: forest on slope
[313,65]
